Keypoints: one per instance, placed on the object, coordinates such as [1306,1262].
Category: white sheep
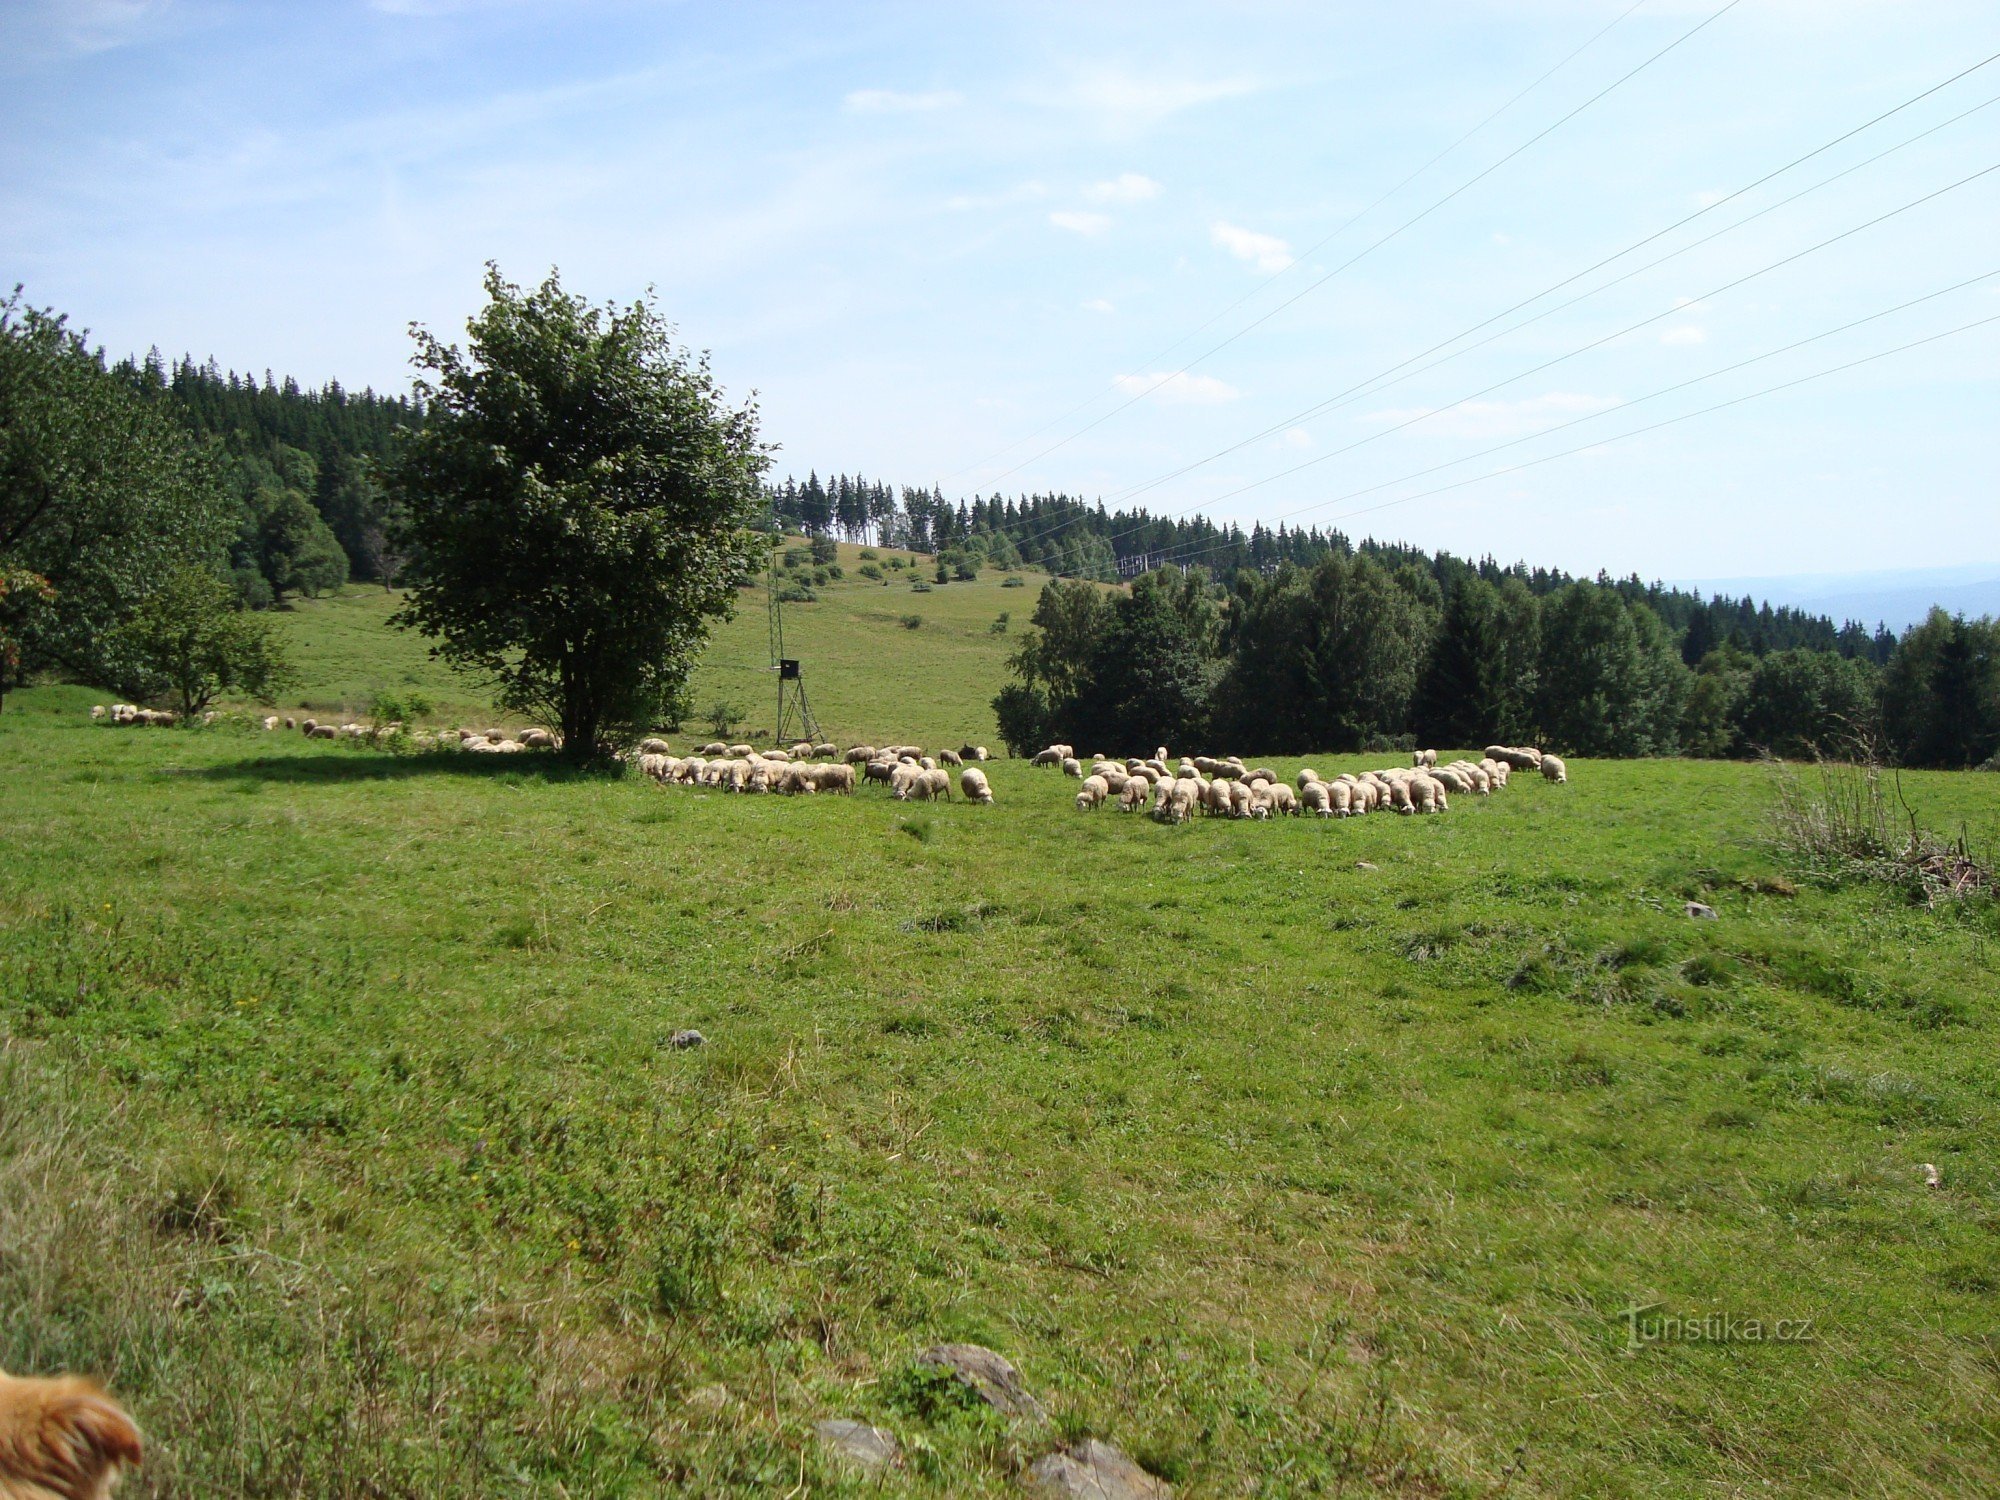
[1554,770]
[972,785]
[652,744]
[1072,767]
[1137,795]
[1095,789]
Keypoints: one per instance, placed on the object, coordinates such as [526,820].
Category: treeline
[1073,539]
[1364,651]
[300,465]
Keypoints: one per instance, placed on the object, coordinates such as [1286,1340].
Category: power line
[1597,343]
[1313,248]
[1375,383]
[1615,438]
[1371,248]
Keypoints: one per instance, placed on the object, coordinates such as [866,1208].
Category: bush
[1841,827]
[999,625]
[825,549]
[403,708]
[918,586]
[1013,581]
[869,570]
[723,717]
[897,563]
[797,593]
[911,622]
[796,557]
[868,554]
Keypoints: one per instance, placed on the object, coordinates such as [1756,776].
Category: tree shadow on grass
[346,769]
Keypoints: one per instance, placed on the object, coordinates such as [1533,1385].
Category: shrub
[1841,827]
[1013,581]
[723,717]
[999,625]
[911,622]
[918,586]
[825,549]
[868,554]
[869,570]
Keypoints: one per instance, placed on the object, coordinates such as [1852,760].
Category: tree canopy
[102,497]
[578,505]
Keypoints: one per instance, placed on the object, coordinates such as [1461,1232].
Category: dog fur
[62,1439]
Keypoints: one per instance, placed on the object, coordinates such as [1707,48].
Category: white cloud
[1499,419]
[1178,388]
[1021,192]
[891,102]
[1687,333]
[1098,305]
[1126,187]
[1297,437]
[1266,252]
[1128,99]
[1709,199]
[1501,237]
[1078,222]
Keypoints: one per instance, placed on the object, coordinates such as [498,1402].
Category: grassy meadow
[869,674]
[342,1133]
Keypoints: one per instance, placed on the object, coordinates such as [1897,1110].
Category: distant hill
[1896,597]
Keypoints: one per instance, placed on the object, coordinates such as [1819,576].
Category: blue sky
[924,232]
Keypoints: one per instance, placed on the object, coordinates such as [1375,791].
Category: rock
[1702,913]
[1362,864]
[1932,1176]
[1091,1470]
[864,1446]
[991,1377]
[680,1041]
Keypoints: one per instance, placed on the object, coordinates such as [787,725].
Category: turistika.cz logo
[1645,1324]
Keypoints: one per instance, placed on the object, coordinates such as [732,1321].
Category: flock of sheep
[910,774]
[1224,787]
[1229,788]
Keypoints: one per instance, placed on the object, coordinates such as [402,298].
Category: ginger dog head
[62,1439]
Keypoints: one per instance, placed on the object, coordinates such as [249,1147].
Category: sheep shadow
[343,769]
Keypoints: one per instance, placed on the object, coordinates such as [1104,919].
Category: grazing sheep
[1424,794]
[1554,770]
[1284,799]
[1046,757]
[1262,773]
[1307,776]
[1239,798]
[271,721]
[1071,767]
[100,713]
[950,758]
[1423,760]
[321,731]
[1095,789]
[652,744]
[883,771]
[1160,754]
[859,755]
[1400,798]
[939,783]
[1314,798]
[1215,798]
[972,785]
[1137,795]
[1177,801]
[824,752]
[1340,799]
[538,739]
[782,757]
[980,752]
[715,747]
[655,765]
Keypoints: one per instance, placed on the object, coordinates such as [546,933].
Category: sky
[1185,256]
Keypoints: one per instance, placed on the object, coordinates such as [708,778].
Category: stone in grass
[991,1377]
[864,1446]
[1091,1470]
[1702,913]
[680,1041]
[1362,864]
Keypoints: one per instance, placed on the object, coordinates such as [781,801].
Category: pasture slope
[341,1129]
[867,673]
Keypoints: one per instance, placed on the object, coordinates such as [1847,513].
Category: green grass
[866,674]
[340,1132]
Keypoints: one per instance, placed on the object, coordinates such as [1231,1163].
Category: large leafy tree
[578,507]
[102,497]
